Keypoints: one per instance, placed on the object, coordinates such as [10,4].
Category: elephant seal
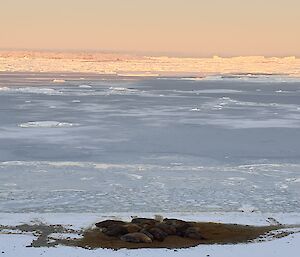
[194,233]
[144,231]
[144,222]
[115,230]
[180,225]
[157,233]
[109,223]
[168,229]
[132,228]
[136,238]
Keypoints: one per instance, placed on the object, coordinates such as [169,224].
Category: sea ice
[46,124]
[84,86]
[59,81]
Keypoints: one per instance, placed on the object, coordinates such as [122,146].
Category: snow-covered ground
[145,66]
[15,244]
[77,143]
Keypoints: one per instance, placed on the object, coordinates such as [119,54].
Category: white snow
[250,68]
[14,245]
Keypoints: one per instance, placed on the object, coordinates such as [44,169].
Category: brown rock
[136,238]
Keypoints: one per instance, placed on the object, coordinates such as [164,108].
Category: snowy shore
[15,244]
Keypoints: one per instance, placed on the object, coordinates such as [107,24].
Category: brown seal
[180,225]
[193,232]
[144,231]
[132,228]
[157,233]
[144,222]
[136,238]
[169,229]
[109,223]
[115,230]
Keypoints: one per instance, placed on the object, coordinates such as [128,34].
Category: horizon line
[142,53]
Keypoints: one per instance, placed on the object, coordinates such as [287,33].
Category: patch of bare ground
[148,233]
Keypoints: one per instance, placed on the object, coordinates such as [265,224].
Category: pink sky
[191,27]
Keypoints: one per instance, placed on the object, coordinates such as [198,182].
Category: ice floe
[59,81]
[47,124]
[254,78]
[121,90]
[85,86]
[31,90]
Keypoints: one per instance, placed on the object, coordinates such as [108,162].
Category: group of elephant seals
[145,230]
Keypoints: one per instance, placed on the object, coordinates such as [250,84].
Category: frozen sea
[74,143]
